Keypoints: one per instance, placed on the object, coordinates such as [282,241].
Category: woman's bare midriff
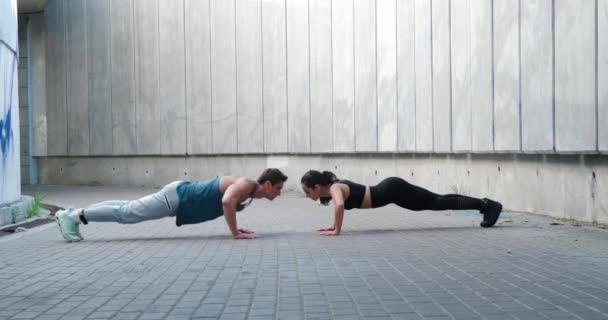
[367,199]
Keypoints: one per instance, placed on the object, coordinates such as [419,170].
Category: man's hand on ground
[327,229]
[329,233]
[242,235]
[243,230]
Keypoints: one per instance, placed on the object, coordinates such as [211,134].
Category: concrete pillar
[10,173]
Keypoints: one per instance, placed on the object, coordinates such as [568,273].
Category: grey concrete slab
[99,77]
[482,125]
[274,52]
[537,75]
[223,76]
[321,108]
[343,73]
[506,76]
[147,76]
[38,99]
[406,76]
[172,86]
[77,79]
[602,73]
[122,57]
[249,86]
[389,262]
[298,77]
[388,122]
[198,76]
[441,75]
[424,81]
[365,106]
[575,81]
[460,40]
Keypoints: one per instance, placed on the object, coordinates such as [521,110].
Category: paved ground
[389,264]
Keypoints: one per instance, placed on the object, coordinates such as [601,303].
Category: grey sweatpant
[154,206]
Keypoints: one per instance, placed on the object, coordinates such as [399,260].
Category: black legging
[400,192]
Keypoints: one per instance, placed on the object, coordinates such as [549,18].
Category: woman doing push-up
[346,195]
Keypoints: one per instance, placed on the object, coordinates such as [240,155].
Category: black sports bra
[355,197]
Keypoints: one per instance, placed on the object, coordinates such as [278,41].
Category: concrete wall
[141,92]
[164,77]
[24,104]
[564,186]
[10,178]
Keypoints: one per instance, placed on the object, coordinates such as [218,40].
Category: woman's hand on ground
[243,230]
[329,233]
[327,229]
[242,235]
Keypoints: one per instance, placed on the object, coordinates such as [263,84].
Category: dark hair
[314,177]
[273,175]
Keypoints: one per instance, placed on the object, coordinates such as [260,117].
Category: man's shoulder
[239,181]
[234,179]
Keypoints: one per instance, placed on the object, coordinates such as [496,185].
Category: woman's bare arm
[337,196]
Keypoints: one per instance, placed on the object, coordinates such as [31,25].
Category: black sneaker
[491,210]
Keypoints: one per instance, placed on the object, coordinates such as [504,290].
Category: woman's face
[312,193]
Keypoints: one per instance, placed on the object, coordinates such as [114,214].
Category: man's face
[274,190]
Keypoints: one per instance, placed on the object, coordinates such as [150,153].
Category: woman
[349,195]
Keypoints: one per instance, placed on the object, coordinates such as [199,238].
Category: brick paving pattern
[389,263]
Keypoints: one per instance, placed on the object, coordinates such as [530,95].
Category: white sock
[73,215]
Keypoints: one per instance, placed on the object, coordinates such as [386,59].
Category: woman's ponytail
[329,176]
[314,177]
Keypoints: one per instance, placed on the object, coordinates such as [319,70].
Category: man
[189,202]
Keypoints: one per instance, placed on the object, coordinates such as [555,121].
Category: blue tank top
[201,201]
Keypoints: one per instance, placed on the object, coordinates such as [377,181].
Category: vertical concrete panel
[537,75]
[99,73]
[406,76]
[506,75]
[249,100]
[366,131]
[342,34]
[124,132]
[146,72]
[482,135]
[172,86]
[442,104]
[198,77]
[602,73]
[77,79]
[461,75]
[575,95]
[56,72]
[387,75]
[298,79]
[223,76]
[37,74]
[424,72]
[274,63]
[321,109]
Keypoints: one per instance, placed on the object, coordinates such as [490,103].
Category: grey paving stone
[126,315]
[234,316]
[391,263]
[209,310]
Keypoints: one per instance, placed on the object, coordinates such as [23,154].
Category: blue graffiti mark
[6,130]
[6,133]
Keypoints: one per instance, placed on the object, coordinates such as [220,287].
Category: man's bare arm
[233,194]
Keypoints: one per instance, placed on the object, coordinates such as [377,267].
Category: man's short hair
[273,175]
